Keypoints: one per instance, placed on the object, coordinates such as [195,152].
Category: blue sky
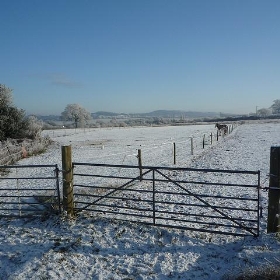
[141,55]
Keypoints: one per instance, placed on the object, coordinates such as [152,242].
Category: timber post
[67,174]
[191,145]
[203,142]
[174,153]
[273,219]
[139,156]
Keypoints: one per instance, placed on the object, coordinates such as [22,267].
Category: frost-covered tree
[275,107]
[5,96]
[77,114]
[263,112]
[13,123]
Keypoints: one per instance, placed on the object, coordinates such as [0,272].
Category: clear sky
[137,56]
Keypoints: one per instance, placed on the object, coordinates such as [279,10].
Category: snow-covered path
[93,248]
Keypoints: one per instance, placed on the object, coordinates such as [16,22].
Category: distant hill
[158,114]
[179,114]
[105,114]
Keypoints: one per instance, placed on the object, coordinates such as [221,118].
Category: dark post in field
[273,219]
[203,141]
[191,145]
[174,153]
[139,156]
[67,174]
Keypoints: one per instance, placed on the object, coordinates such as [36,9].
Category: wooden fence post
[211,137]
[191,145]
[139,156]
[174,153]
[67,174]
[273,219]
[217,134]
[203,142]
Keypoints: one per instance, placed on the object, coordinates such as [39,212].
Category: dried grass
[265,272]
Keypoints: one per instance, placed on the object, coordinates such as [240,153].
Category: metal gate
[205,200]
[29,195]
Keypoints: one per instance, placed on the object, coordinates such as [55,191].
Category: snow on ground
[96,248]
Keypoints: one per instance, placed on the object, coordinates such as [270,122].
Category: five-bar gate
[205,200]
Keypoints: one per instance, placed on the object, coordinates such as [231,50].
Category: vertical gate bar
[259,185]
[57,188]
[154,206]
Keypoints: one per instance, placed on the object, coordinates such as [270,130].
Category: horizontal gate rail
[206,200]
[27,166]
[213,196]
[167,168]
[171,169]
[22,195]
[166,180]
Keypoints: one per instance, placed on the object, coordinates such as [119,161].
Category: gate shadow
[127,250]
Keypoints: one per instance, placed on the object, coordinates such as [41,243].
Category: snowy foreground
[96,248]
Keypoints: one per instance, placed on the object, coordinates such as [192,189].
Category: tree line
[16,125]
[80,117]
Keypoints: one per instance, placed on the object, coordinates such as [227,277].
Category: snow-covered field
[96,248]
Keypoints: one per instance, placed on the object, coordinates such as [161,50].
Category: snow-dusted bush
[13,150]
[34,128]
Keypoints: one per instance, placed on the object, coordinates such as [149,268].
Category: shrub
[13,122]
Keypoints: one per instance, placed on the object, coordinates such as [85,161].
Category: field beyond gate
[205,200]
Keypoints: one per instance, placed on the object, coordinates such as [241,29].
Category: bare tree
[77,114]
